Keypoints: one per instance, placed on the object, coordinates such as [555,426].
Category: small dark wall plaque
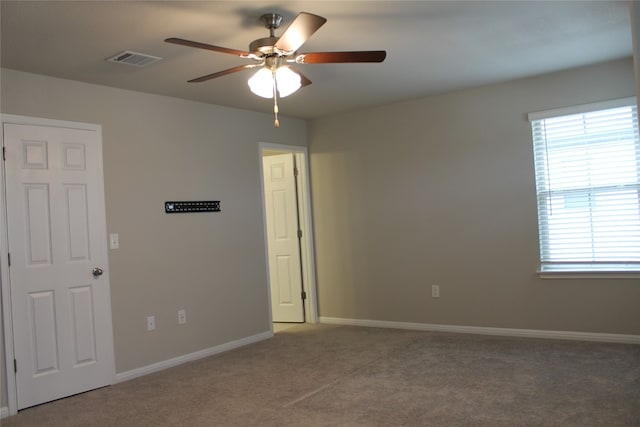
[185,207]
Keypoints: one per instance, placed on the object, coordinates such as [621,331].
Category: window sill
[587,274]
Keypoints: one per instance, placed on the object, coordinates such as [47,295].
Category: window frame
[578,270]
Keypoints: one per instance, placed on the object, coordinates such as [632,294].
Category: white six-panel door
[62,331]
[282,239]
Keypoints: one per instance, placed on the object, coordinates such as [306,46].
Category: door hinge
[299,234]
[4,153]
[9,259]
[295,171]
[15,365]
[304,295]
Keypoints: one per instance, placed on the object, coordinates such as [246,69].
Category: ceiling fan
[274,56]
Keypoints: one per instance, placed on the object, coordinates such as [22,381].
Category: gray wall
[438,190]
[441,190]
[157,149]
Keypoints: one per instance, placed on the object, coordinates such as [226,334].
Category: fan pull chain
[276,123]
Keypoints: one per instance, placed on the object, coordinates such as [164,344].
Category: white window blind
[587,165]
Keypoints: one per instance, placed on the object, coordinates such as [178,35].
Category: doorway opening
[288,233]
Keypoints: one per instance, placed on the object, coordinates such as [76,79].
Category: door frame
[7,315]
[307,256]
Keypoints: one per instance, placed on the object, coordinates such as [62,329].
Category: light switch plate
[151,323]
[114,241]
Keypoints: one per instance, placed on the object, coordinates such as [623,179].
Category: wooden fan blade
[336,57]
[223,73]
[304,81]
[199,45]
[299,31]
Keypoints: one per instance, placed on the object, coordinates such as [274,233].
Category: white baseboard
[4,412]
[159,366]
[508,332]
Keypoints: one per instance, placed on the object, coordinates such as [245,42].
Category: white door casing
[283,245]
[61,312]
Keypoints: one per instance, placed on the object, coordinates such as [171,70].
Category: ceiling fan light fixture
[287,82]
[261,83]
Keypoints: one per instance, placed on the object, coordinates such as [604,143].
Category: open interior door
[285,275]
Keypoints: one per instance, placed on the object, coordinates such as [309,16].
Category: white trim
[7,318]
[306,225]
[4,412]
[39,121]
[480,330]
[159,366]
[585,108]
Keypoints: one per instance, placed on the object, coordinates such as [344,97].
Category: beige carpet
[321,375]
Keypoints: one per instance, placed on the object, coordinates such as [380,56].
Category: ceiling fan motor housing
[264,46]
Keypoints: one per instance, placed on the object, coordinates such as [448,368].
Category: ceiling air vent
[134,58]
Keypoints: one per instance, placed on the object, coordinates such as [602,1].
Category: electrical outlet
[151,323]
[182,317]
[435,291]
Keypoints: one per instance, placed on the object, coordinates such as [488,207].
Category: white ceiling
[431,46]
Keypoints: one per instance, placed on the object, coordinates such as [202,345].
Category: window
[587,163]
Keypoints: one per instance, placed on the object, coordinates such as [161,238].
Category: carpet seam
[332,383]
